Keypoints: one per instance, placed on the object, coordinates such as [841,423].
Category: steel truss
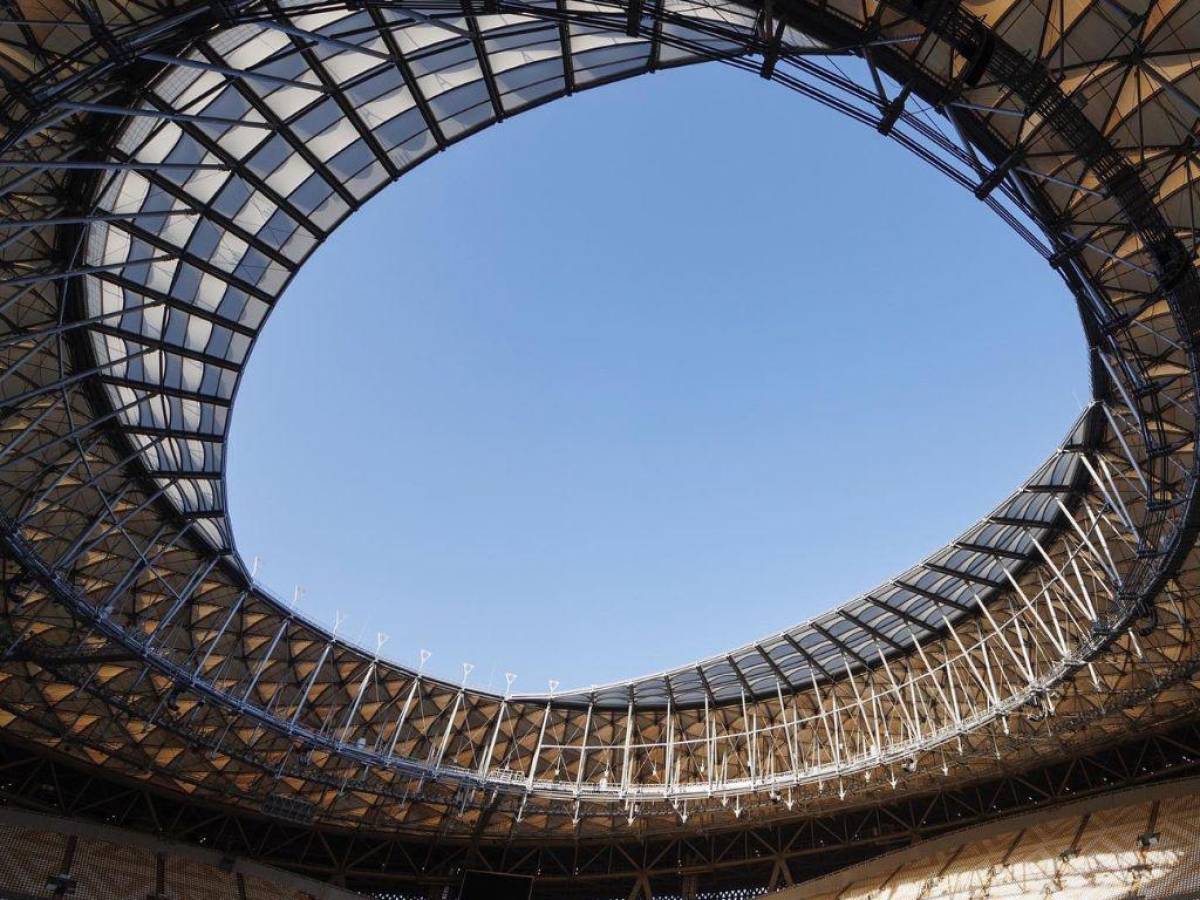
[165,171]
[767,856]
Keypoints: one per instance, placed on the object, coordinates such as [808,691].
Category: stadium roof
[165,170]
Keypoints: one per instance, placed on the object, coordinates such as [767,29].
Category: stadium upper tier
[164,171]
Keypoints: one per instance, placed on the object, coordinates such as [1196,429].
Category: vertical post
[669,751]
[537,751]
[829,735]
[789,730]
[710,736]
[509,677]
[449,728]
[625,760]
[583,745]
[467,667]
[412,691]
[380,640]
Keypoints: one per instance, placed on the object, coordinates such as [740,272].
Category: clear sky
[639,376]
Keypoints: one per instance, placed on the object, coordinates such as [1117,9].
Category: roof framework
[767,856]
[165,170]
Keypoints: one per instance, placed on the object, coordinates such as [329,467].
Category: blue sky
[639,376]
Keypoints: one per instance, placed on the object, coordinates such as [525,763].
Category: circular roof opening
[630,403]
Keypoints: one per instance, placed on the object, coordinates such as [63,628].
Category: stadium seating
[1148,846]
[43,856]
